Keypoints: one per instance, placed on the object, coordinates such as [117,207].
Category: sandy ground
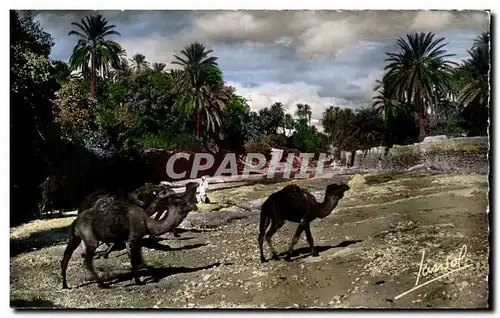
[370,247]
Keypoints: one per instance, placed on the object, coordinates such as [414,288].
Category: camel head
[163,191]
[190,193]
[175,202]
[179,203]
[336,190]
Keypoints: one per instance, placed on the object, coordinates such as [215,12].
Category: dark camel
[299,206]
[143,197]
[112,219]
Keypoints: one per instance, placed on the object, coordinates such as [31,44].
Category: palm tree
[482,42]
[304,112]
[329,121]
[277,115]
[62,71]
[418,71]
[159,67]
[93,48]
[473,76]
[139,63]
[383,102]
[367,128]
[307,110]
[123,69]
[288,123]
[202,84]
[213,101]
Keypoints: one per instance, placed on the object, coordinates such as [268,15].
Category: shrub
[258,146]
[447,148]
[74,112]
[275,141]
[183,141]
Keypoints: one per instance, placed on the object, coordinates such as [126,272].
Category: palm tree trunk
[421,123]
[198,124]
[92,76]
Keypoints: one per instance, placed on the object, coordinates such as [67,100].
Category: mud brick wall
[460,154]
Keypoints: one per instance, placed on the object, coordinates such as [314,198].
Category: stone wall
[460,154]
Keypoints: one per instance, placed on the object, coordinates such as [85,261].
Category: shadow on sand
[162,247]
[304,252]
[155,274]
[39,240]
[21,304]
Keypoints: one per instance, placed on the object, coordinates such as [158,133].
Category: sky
[320,58]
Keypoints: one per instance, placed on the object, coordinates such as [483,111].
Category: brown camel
[299,206]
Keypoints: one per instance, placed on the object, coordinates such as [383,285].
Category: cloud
[313,34]
[309,34]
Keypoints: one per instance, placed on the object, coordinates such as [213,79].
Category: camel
[142,197]
[112,219]
[299,206]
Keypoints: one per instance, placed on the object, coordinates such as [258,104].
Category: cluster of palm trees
[421,76]
[199,83]
[275,120]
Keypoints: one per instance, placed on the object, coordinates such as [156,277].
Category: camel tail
[265,220]
[265,215]
[73,242]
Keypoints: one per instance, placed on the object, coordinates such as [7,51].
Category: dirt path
[370,252]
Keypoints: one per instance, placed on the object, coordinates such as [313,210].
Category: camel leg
[88,261]
[264,223]
[73,243]
[129,252]
[105,254]
[176,234]
[275,226]
[310,240]
[41,208]
[83,249]
[295,239]
[134,248]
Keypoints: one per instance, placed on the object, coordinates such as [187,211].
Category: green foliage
[254,128]
[400,126]
[418,72]
[168,141]
[307,139]
[234,124]
[135,106]
[93,53]
[473,77]
[201,86]
[32,87]
[62,72]
[473,83]
[75,112]
[350,130]
[304,112]
[139,63]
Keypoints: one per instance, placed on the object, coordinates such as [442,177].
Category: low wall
[460,154]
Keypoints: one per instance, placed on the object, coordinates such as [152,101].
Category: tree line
[113,105]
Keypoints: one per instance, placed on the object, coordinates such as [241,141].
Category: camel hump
[291,188]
